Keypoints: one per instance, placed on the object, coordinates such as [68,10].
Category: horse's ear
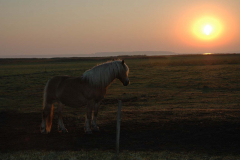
[123,62]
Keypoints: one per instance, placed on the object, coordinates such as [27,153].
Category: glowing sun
[207,29]
[206,26]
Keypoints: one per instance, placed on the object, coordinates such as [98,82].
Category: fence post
[118,126]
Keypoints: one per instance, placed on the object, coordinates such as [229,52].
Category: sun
[206,26]
[207,29]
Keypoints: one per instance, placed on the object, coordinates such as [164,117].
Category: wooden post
[118,126]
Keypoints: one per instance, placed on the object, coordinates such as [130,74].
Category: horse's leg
[94,120]
[47,118]
[89,117]
[61,127]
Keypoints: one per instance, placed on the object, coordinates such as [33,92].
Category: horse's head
[123,75]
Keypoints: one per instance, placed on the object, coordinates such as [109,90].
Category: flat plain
[184,107]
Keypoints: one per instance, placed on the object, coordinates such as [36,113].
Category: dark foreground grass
[108,155]
[192,88]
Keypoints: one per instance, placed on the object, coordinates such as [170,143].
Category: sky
[63,27]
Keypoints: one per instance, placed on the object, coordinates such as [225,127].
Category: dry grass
[188,84]
[108,155]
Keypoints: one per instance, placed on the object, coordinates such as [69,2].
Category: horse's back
[52,87]
[73,91]
[68,90]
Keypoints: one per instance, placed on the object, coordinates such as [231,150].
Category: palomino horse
[87,90]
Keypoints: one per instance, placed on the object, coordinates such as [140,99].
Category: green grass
[186,83]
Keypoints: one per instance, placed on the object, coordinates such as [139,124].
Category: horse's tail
[47,111]
[49,120]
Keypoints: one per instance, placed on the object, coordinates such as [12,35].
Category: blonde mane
[101,76]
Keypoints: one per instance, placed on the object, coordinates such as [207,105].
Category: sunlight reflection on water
[207,53]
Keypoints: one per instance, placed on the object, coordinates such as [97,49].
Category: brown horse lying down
[87,90]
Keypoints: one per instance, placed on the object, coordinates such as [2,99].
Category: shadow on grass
[147,131]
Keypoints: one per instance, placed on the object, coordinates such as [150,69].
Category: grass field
[176,107]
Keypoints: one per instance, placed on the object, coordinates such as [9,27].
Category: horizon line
[98,54]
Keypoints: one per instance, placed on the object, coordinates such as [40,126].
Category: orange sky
[31,27]
[224,27]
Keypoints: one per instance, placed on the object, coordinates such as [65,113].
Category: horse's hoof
[96,129]
[88,132]
[63,131]
[43,131]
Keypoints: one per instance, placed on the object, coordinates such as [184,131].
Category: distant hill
[147,53]
[108,54]
[98,54]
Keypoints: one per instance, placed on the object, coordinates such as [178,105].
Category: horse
[87,90]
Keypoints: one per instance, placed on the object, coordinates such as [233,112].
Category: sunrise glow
[207,28]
